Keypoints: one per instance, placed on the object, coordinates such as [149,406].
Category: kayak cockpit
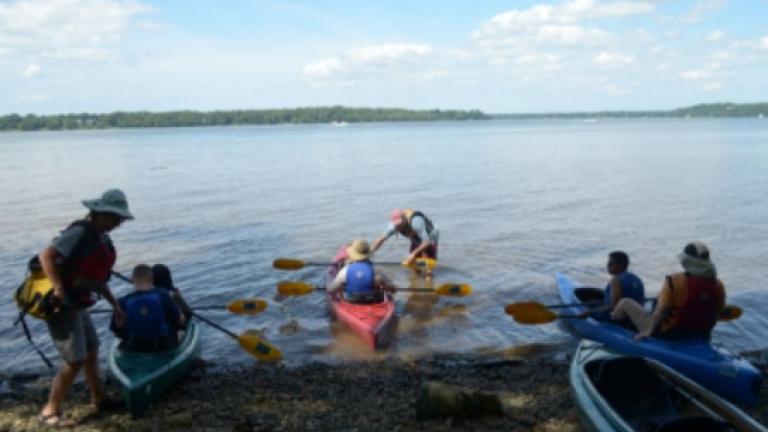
[645,399]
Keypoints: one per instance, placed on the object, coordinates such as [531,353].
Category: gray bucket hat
[111,201]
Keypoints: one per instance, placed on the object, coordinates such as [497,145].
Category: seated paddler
[688,304]
[358,281]
[151,316]
[623,284]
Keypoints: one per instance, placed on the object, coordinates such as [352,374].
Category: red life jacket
[697,312]
[89,265]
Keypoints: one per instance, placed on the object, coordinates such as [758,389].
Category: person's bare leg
[91,371]
[60,386]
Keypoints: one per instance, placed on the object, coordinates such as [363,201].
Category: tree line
[702,110]
[143,119]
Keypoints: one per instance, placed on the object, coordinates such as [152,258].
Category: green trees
[220,118]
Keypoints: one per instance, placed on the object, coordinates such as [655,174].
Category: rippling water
[515,202]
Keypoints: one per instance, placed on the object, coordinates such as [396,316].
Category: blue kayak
[717,369]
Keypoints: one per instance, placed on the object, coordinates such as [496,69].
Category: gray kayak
[615,392]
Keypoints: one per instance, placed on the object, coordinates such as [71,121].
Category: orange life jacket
[697,310]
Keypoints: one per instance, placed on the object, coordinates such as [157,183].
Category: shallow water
[515,201]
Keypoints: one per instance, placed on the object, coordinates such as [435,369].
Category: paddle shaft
[426,290]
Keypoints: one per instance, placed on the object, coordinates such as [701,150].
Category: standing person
[357,280]
[418,228]
[688,303]
[623,284]
[161,278]
[78,263]
[151,316]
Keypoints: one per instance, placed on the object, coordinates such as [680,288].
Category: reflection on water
[515,203]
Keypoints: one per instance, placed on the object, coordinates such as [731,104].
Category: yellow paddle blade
[294,288]
[259,348]
[287,264]
[421,264]
[730,312]
[247,306]
[532,316]
[513,308]
[454,290]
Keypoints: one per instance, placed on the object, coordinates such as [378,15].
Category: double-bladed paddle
[250,342]
[296,288]
[533,313]
[296,264]
[240,307]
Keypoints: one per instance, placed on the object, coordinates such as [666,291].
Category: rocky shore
[377,395]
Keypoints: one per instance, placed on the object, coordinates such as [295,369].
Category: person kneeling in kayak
[152,318]
[688,303]
[623,284]
[357,280]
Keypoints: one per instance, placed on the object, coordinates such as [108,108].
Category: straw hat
[111,201]
[359,250]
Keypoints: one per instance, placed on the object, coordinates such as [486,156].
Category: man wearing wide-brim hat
[688,304]
[78,263]
[357,281]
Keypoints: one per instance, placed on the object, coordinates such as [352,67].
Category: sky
[63,56]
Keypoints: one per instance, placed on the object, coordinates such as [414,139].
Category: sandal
[56,421]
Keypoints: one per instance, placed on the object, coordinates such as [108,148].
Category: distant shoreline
[340,116]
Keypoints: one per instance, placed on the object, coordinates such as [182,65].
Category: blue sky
[513,56]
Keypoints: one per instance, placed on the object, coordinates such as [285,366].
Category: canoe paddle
[296,288]
[536,313]
[250,342]
[296,264]
[240,307]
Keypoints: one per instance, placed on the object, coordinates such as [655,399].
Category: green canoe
[145,376]
[615,392]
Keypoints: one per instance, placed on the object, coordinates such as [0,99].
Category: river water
[515,202]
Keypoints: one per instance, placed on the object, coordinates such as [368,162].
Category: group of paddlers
[78,263]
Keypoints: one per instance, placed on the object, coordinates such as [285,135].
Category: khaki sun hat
[111,201]
[359,250]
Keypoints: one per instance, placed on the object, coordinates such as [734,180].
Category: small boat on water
[717,369]
[374,323]
[615,392]
[144,376]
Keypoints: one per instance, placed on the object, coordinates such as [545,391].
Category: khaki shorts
[73,334]
[627,308]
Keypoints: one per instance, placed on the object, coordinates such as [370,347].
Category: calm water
[515,202]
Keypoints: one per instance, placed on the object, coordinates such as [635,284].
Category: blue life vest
[144,316]
[360,279]
[631,287]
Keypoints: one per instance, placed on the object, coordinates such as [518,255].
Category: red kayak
[374,323]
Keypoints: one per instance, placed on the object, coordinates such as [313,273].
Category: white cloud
[369,60]
[712,86]
[31,71]
[694,74]
[702,9]
[545,27]
[716,36]
[616,89]
[764,42]
[613,58]
[66,29]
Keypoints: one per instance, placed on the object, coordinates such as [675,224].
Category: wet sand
[375,395]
